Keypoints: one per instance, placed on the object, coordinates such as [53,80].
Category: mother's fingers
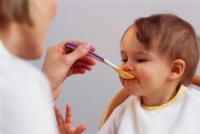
[78,53]
[89,60]
[83,65]
[78,43]
[77,70]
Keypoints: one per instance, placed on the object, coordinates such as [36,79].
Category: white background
[102,22]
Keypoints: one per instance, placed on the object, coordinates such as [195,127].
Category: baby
[161,51]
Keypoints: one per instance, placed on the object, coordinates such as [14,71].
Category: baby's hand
[65,127]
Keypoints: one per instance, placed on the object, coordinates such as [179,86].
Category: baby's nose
[127,67]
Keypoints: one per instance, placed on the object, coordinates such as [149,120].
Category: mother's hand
[61,62]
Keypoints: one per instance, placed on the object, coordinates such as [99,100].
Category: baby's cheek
[121,80]
[145,75]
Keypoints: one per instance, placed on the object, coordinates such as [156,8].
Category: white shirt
[181,117]
[26,106]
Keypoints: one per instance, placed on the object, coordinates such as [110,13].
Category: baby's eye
[141,60]
[124,60]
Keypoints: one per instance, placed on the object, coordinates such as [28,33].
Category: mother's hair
[15,11]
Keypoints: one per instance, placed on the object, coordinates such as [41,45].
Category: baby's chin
[133,89]
[131,86]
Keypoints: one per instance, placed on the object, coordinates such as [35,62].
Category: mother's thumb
[80,52]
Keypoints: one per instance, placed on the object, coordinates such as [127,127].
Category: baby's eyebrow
[140,53]
[122,52]
[134,53]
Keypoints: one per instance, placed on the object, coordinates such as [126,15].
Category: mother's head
[24,25]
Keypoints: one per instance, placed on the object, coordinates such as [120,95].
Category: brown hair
[173,37]
[15,10]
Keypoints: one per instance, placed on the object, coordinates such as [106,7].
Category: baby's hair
[15,11]
[172,37]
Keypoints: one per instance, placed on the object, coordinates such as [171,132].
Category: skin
[65,126]
[144,64]
[156,77]
[27,42]
[61,62]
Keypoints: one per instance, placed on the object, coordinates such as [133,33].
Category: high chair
[122,95]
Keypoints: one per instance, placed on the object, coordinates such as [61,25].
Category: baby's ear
[177,69]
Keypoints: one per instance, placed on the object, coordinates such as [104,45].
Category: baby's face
[149,68]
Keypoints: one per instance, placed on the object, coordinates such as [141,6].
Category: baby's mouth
[134,80]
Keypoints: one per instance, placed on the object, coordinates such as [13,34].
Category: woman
[26,106]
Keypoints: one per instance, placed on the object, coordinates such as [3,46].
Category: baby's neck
[159,98]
